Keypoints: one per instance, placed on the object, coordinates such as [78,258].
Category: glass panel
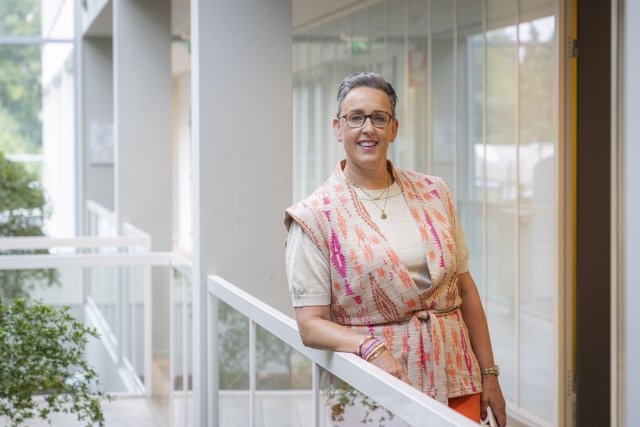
[343,48]
[57,18]
[177,349]
[34,18]
[343,405]
[500,159]
[443,72]
[133,318]
[470,188]
[394,71]
[283,382]
[488,161]
[36,122]
[233,366]
[181,349]
[538,253]
[416,119]
[378,37]
[20,18]
[189,349]
[21,94]
[360,45]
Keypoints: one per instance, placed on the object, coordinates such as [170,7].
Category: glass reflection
[233,367]
[343,405]
[537,252]
[463,70]
[283,382]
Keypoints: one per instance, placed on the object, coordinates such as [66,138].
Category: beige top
[308,272]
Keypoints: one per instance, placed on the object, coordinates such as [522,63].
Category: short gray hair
[372,80]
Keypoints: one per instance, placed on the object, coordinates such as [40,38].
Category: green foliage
[233,342]
[20,17]
[41,353]
[339,396]
[22,213]
[20,70]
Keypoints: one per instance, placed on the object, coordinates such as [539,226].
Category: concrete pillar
[142,137]
[242,154]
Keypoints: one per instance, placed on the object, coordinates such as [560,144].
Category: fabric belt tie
[424,350]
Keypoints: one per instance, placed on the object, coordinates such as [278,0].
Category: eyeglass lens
[379,119]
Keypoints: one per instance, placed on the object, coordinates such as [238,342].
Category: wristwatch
[493,370]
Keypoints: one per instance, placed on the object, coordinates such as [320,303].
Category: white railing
[87,242]
[100,221]
[400,399]
[90,253]
[118,324]
[395,396]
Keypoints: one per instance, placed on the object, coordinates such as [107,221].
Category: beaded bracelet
[372,349]
[375,342]
[377,352]
[362,341]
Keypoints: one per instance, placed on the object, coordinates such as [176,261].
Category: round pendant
[383,216]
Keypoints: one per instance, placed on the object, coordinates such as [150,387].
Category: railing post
[213,376]
[147,325]
[252,373]
[315,389]
[185,373]
[172,351]
[118,313]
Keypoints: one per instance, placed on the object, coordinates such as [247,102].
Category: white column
[142,116]
[242,154]
[142,136]
[630,200]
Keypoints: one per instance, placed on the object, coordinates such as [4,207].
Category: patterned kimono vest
[371,291]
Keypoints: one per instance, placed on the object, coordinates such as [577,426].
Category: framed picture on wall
[101,142]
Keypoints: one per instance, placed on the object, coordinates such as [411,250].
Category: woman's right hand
[388,363]
[317,330]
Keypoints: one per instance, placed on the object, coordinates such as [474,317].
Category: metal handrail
[396,396]
[9,243]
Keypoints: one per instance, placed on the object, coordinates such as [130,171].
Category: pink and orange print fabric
[372,291]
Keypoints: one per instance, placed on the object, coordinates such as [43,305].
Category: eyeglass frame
[367,116]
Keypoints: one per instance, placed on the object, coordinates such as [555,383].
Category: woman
[377,264]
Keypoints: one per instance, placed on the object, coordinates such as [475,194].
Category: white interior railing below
[399,398]
[90,253]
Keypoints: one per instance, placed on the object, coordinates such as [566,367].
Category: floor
[121,412]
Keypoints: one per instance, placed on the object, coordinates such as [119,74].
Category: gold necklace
[383,214]
[378,197]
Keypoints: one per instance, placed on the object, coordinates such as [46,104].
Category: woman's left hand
[492,396]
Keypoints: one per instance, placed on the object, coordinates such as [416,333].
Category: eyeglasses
[356,119]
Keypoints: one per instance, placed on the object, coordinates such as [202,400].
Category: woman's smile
[367,144]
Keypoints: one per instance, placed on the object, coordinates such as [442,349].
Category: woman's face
[365,147]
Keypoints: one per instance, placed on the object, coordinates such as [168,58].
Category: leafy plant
[339,396]
[42,369]
[22,213]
